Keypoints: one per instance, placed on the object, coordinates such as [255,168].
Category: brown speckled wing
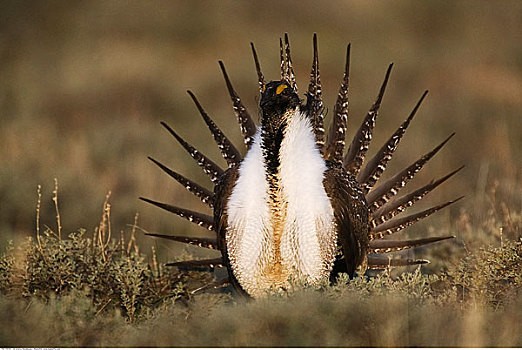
[351,217]
[222,193]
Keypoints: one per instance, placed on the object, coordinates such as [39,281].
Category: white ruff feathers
[308,238]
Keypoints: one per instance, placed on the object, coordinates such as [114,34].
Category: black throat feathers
[278,102]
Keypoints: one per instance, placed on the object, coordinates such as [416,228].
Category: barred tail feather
[376,166]
[387,246]
[260,76]
[198,264]
[383,262]
[284,66]
[290,69]
[335,139]
[212,286]
[202,193]
[399,224]
[382,194]
[199,219]
[209,167]
[314,100]
[210,243]
[361,141]
[228,150]
[398,205]
[248,128]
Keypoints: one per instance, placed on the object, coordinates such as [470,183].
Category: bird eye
[280,88]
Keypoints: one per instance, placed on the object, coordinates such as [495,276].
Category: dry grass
[468,306]
[98,290]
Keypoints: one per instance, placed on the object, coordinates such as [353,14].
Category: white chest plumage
[290,235]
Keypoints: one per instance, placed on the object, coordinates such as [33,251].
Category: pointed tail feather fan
[380,201]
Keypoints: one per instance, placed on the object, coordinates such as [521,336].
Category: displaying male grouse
[296,207]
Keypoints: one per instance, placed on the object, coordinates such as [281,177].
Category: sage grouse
[296,206]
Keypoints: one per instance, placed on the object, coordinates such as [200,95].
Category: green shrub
[492,275]
[108,273]
[95,290]
[6,268]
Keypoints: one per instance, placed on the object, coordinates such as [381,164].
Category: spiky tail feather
[210,243]
[212,286]
[383,262]
[209,167]
[361,141]
[260,76]
[199,191]
[208,264]
[399,224]
[376,166]
[314,99]
[386,246]
[335,139]
[248,128]
[199,219]
[398,205]
[289,67]
[228,150]
[383,193]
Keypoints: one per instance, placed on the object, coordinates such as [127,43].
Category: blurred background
[84,84]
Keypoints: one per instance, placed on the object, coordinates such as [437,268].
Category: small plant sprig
[111,273]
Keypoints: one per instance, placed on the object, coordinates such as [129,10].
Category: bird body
[280,225]
[297,207]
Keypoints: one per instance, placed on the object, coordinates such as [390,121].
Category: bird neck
[273,130]
[271,140]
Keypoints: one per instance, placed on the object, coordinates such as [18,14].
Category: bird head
[278,98]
